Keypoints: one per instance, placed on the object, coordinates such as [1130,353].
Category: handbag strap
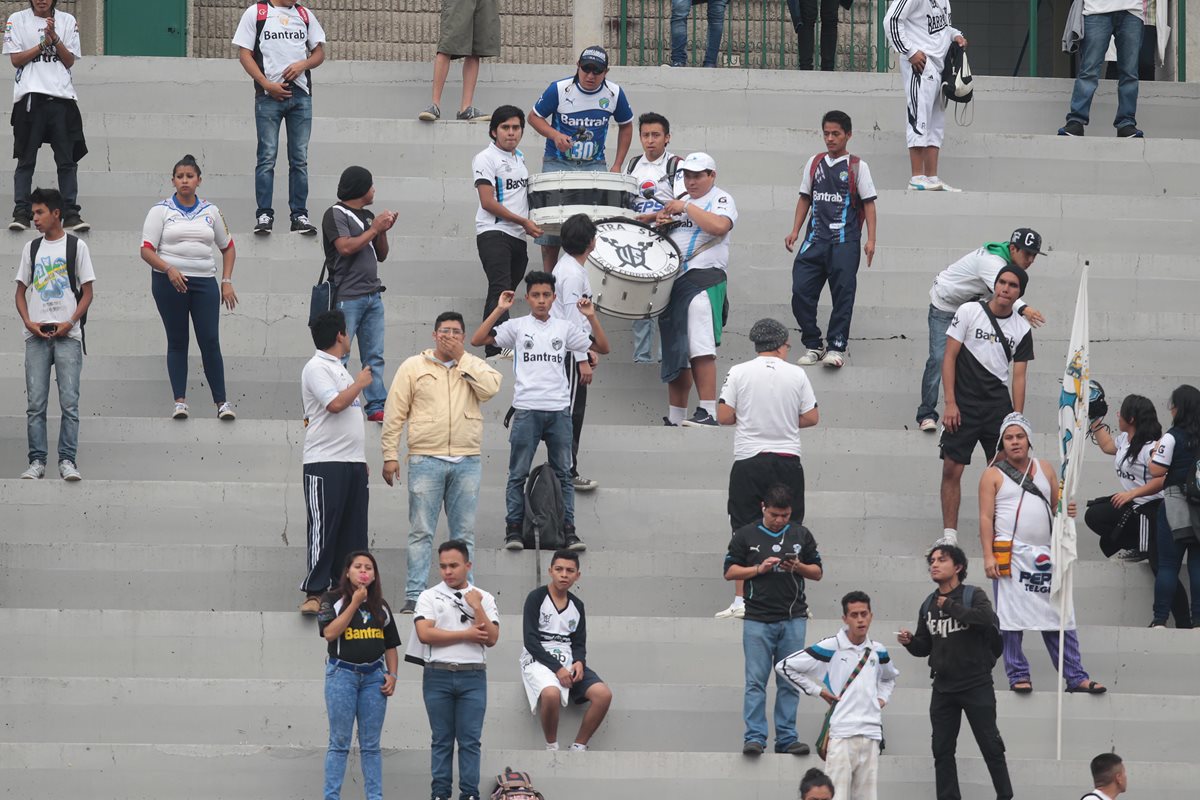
[1008,354]
[862,662]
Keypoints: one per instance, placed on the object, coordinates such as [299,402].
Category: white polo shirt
[769,395]
[445,607]
[329,436]
[539,352]
[509,178]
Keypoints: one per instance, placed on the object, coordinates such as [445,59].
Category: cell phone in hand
[789,557]
[48,327]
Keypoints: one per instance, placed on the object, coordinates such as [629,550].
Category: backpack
[263,9]
[995,643]
[956,76]
[672,167]
[543,509]
[1191,484]
[72,278]
[855,200]
[513,785]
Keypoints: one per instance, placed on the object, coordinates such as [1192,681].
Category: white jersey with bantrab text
[693,241]
[509,179]
[540,349]
[982,368]
[555,629]
[912,25]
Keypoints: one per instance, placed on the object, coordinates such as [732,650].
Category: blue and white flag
[1072,427]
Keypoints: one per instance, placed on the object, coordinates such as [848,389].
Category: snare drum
[632,269]
[555,196]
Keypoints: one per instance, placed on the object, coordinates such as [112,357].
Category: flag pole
[1062,626]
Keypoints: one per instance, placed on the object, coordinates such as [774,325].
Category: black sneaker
[701,419]
[1130,132]
[572,540]
[409,607]
[668,424]
[794,749]
[20,222]
[76,223]
[302,226]
[1158,623]
[1072,128]
[752,749]
[512,537]
[264,225]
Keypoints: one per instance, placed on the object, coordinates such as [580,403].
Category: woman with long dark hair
[177,242]
[816,785]
[360,674]
[1127,521]
[1178,531]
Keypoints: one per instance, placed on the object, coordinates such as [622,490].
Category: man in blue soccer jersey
[573,114]
[838,189]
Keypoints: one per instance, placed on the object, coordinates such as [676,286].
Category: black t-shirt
[774,596]
[365,638]
[357,274]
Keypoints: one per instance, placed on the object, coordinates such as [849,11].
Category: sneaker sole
[257,232]
[589,488]
[227,417]
[578,547]
[427,117]
[514,547]
[81,228]
[32,477]
[178,415]
[1065,132]
[687,423]
[72,478]
[14,226]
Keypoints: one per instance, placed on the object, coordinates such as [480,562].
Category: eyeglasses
[593,69]
[449,332]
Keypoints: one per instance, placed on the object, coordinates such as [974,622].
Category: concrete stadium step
[624,650]
[753,98]
[236,577]
[256,772]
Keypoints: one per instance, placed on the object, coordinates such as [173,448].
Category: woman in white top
[177,243]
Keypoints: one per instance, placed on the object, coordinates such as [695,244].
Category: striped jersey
[583,116]
[912,25]
[507,175]
[835,217]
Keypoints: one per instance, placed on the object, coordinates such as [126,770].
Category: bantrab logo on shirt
[939,20]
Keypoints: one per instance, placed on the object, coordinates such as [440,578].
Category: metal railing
[758,34]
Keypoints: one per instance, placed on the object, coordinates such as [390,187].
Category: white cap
[698,162]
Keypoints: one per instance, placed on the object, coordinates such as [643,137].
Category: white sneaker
[181,411]
[946,539]
[225,412]
[551,746]
[809,358]
[938,185]
[834,358]
[928,425]
[735,611]
[36,471]
[919,183]
[581,748]
[68,470]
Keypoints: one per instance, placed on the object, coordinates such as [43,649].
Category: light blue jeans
[296,113]
[66,356]
[931,380]
[679,33]
[529,429]
[364,319]
[643,340]
[456,703]
[1126,28]
[765,644]
[351,696]
[432,484]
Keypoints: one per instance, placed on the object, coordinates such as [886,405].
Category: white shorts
[925,108]
[701,339]
[536,678]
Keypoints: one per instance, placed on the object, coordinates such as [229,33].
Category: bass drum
[556,196]
[632,269]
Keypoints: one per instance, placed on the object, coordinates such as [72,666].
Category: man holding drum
[690,327]
[573,114]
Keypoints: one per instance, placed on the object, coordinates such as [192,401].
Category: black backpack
[1191,484]
[956,76]
[72,277]
[995,642]
[260,22]
[543,510]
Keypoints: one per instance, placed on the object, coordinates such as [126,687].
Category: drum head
[634,250]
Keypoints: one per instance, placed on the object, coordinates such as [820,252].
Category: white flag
[1072,425]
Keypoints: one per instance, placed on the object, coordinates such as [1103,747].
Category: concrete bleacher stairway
[153,648]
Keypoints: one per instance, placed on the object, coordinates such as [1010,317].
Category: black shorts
[578,693]
[980,425]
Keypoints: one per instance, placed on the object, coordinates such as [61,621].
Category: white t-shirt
[329,436]
[539,349]
[652,177]
[1109,6]
[690,237]
[509,178]
[49,295]
[972,277]
[1135,473]
[185,238]
[445,607]
[571,283]
[769,395]
[46,73]
[285,40]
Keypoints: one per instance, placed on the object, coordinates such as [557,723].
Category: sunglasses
[593,69]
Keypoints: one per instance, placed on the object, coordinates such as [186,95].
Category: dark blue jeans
[364,320]
[456,703]
[530,428]
[816,263]
[1126,28]
[931,380]
[1170,559]
[679,36]
[296,113]
[202,304]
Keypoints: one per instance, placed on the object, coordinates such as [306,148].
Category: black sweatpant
[804,22]
[335,497]
[749,480]
[578,409]
[945,718]
[504,260]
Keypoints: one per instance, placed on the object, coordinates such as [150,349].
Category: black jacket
[957,641]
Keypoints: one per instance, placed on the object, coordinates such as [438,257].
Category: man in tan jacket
[438,393]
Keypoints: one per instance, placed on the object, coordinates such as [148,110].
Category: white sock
[918,178]
[951,534]
[578,746]
[551,745]
[710,406]
[676,414]
[738,601]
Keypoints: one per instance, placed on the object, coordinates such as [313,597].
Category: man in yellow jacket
[438,393]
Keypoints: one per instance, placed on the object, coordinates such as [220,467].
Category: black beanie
[355,182]
[1022,276]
